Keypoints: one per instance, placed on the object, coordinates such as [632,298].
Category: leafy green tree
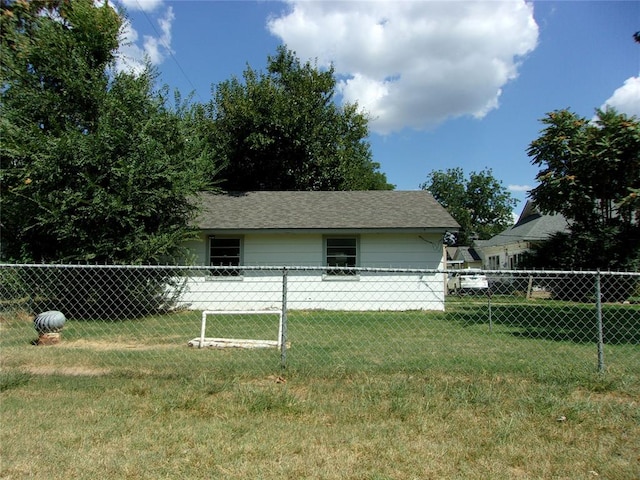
[281,130]
[590,173]
[480,203]
[95,165]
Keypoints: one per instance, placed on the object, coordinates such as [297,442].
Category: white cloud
[132,55]
[519,188]
[157,47]
[145,5]
[626,99]
[413,63]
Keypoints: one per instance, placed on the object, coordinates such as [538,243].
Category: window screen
[224,252]
[341,252]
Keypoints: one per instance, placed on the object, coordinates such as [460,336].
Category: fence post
[489,305]
[599,324]
[283,330]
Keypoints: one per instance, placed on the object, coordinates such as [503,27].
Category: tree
[480,204]
[95,165]
[281,130]
[590,173]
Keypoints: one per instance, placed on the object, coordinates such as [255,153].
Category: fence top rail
[293,268]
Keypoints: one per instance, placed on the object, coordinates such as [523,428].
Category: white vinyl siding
[504,257]
[283,250]
[313,289]
[401,251]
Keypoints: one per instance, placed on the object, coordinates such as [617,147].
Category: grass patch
[13,379]
[431,425]
[365,396]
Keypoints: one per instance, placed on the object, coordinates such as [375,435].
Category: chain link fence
[141,320]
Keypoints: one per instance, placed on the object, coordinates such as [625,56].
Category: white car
[467,281]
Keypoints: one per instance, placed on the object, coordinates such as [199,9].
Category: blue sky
[447,83]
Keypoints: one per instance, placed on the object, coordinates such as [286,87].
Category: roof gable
[530,210]
[322,210]
[532,226]
[468,254]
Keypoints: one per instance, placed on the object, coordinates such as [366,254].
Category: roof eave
[328,231]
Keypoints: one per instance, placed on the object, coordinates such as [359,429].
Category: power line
[168,49]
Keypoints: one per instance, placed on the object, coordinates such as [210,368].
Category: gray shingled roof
[372,210]
[468,254]
[532,226]
[465,254]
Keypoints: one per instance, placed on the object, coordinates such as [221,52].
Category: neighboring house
[504,251]
[377,229]
[463,257]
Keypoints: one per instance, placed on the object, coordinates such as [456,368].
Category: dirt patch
[103,345]
[17,316]
[606,397]
[75,371]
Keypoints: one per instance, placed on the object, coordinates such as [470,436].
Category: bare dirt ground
[75,371]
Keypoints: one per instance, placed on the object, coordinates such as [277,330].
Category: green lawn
[382,395]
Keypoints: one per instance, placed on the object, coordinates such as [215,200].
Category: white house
[363,232]
[504,251]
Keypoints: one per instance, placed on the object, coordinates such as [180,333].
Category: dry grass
[437,425]
[465,408]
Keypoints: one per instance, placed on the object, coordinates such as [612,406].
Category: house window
[341,252]
[494,262]
[225,252]
[514,261]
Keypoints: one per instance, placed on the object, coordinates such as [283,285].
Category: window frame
[330,272]
[232,272]
[514,260]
